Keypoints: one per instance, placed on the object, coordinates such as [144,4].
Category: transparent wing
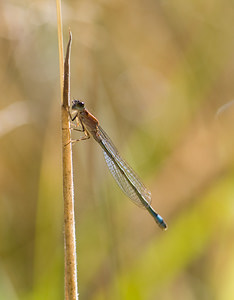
[124,175]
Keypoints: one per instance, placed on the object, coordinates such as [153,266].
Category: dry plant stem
[61,73]
[60,43]
[71,289]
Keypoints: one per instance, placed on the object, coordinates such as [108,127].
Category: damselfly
[124,175]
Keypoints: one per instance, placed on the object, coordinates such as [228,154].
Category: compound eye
[77,104]
[81,104]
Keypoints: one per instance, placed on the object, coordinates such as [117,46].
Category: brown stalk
[71,289]
[70,264]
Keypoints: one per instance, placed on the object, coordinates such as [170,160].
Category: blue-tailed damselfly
[124,175]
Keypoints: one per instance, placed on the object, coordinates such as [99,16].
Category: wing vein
[123,174]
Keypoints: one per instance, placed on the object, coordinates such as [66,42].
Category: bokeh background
[159,77]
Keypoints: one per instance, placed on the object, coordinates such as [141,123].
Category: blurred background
[159,77]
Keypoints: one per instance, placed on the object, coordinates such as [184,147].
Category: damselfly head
[77,105]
